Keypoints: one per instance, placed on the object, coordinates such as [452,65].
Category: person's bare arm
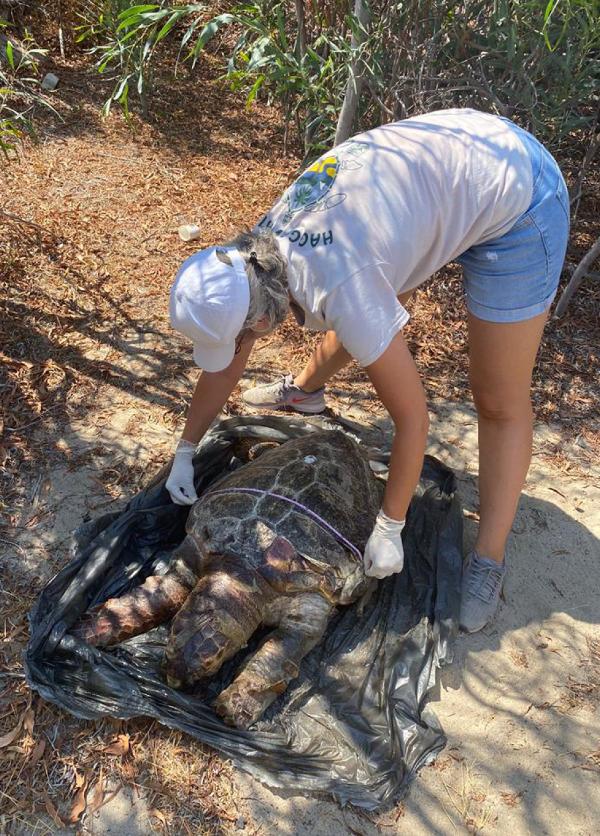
[212,391]
[396,379]
[210,394]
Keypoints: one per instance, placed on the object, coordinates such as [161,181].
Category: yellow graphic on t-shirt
[310,191]
[313,185]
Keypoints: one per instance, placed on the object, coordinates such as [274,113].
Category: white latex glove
[384,554]
[180,483]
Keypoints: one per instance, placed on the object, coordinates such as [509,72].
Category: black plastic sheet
[353,724]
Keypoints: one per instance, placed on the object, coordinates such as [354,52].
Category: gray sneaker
[481,587]
[283,394]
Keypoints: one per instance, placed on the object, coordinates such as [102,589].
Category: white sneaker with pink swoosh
[283,394]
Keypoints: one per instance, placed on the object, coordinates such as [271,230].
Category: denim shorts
[515,277]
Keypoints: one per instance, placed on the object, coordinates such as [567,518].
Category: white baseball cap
[209,304]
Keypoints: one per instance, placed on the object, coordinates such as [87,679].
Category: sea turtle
[276,542]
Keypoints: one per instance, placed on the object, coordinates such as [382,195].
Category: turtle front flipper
[147,606]
[217,619]
[277,661]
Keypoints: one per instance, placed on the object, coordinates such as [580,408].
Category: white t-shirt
[380,213]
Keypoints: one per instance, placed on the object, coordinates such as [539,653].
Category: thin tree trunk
[582,270]
[355,83]
[301,38]
[577,190]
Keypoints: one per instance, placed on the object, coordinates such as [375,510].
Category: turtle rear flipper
[276,663]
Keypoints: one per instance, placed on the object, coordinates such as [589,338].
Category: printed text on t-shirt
[299,236]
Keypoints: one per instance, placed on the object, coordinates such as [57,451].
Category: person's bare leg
[328,358]
[502,356]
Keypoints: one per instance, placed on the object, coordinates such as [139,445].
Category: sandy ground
[518,749]
[523,736]
[102,385]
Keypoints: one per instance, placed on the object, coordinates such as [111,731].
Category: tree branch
[354,86]
[581,272]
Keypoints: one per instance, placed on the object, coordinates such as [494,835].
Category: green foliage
[126,36]
[533,60]
[268,60]
[18,81]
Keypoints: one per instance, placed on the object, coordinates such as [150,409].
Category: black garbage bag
[353,724]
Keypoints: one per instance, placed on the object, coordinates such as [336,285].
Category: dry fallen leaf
[38,751]
[11,736]
[79,804]
[97,797]
[80,779]
[119,746]
[52,811]
[156,814]
[29,720]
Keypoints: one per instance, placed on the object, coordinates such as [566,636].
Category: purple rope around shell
[307,511]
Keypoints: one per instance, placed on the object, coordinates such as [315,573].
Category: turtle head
[197,657]
[217,619]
